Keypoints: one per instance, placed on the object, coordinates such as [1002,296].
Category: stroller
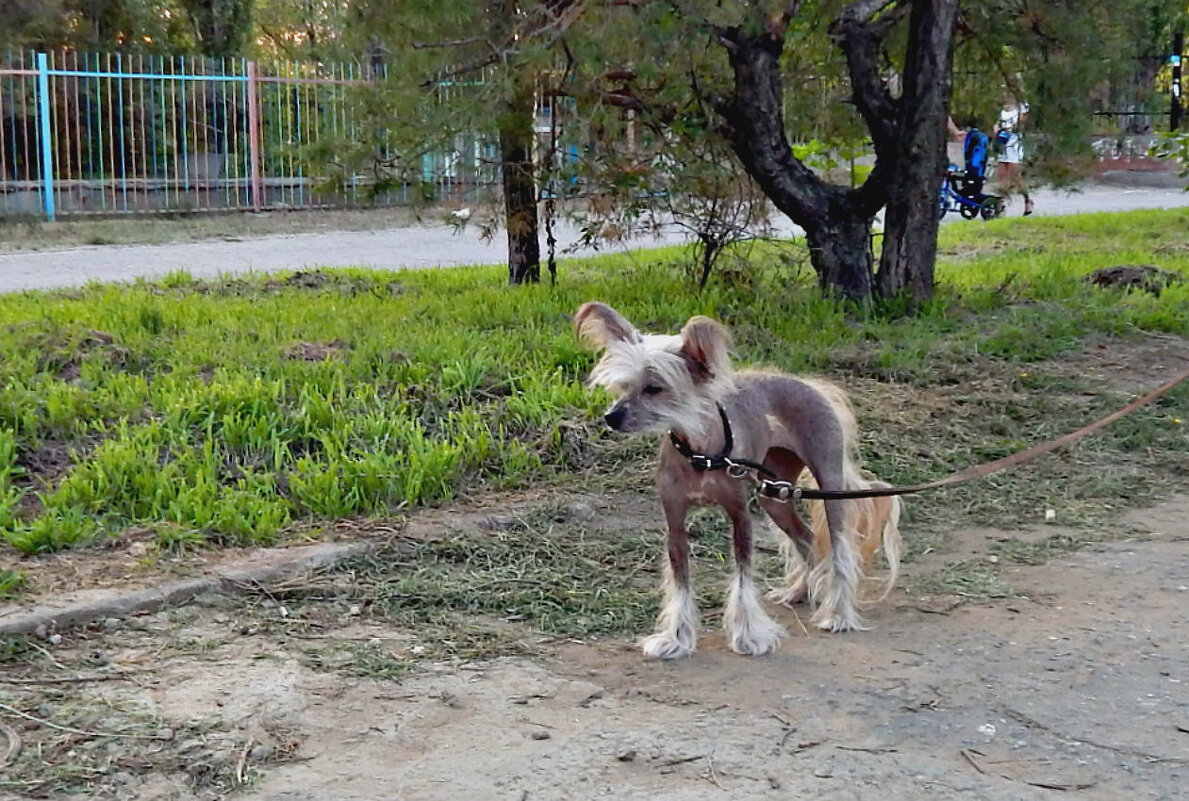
[962,190]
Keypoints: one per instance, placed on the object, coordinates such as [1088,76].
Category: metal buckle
[701,463]
[781,491]
[735,470]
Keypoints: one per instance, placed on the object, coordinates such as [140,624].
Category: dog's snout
[615,417]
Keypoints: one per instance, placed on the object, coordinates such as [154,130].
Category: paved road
[407,247]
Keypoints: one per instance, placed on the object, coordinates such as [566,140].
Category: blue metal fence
[86,133]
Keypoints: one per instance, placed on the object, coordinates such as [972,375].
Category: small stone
[1050,514]
[626,755]
[262,751]
[497,522]
[165,734]
[541,735]
[583,512]
[42,632]
[54,639]
[124,778]
[137,549]
[354,610]
[111,622]
[823,772]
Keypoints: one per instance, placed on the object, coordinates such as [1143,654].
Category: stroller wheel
[991,208]
[969,212]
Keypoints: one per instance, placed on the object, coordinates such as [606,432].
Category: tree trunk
[840,251]
[911,218]
[836,219]
[222,26]
[520,191]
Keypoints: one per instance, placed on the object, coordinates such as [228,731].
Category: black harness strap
[738,468]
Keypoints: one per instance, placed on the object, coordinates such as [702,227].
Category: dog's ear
[706,346]
[598,325]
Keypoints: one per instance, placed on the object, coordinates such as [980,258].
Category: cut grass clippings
[236,411]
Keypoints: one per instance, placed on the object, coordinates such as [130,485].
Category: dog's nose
[614,418]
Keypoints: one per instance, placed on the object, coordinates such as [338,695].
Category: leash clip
[736,470]
[781,491]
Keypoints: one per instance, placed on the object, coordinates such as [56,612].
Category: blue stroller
[962,190]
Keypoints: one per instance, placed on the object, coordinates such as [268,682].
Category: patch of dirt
[1145,363]
[1072,686]
[1146,277]
[316,351]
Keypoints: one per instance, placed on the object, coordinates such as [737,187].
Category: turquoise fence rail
[86,133]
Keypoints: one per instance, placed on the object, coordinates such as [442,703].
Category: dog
[685,385]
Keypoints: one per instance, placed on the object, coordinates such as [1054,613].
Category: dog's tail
[876,521]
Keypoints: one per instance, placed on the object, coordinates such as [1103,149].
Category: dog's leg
[749,629]
[796,545]
[834,584]
[677,625]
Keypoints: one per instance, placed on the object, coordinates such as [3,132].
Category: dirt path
[1075,686]
[1071,685]
[416,246]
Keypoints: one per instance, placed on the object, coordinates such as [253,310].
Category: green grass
[236,411]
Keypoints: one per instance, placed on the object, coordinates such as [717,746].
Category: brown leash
[787,491]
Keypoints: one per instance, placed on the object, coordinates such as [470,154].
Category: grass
[463,595]
[241,410]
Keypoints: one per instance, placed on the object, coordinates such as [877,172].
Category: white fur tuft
[834,585]
[749,629]
[677,625]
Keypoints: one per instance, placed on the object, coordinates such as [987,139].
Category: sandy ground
[419,246]
[1074,687]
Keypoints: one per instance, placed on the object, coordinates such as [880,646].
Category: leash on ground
[768,486]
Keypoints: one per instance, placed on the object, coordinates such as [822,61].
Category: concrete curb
[311,558]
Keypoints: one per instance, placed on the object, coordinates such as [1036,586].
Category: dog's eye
[653,389]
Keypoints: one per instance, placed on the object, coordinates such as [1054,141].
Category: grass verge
[238,410]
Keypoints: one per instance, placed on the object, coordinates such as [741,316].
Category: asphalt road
[413,247]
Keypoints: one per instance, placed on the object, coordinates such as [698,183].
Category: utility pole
[1174,111]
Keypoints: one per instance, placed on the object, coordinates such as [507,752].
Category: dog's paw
[757,638]
[789,596]
[838,622]
[667,645]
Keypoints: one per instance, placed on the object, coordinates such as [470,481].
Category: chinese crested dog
[684,385]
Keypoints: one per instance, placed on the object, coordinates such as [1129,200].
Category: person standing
[1011,156]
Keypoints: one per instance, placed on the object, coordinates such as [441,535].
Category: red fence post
[254,139]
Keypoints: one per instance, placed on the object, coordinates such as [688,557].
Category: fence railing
[112,133]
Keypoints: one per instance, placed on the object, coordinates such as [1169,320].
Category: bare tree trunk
[520,192]
[910,225]
[840,251]
[836,219]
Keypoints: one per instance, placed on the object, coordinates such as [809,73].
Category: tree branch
[448,43]
[861,34]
